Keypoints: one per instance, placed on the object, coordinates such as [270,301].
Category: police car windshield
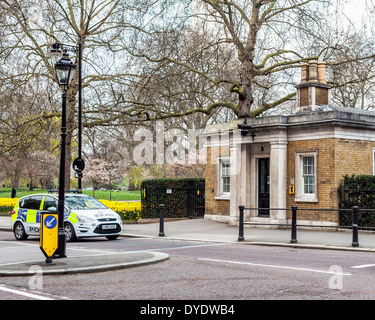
[83,203]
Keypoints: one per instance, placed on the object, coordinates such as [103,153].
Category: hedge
[358,191]
[173,193]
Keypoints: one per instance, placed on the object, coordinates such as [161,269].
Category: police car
[84,216]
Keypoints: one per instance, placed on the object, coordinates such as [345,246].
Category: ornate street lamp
[64,70]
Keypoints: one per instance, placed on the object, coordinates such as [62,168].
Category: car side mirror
[52,209]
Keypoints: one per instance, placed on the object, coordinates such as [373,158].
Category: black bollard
[161,225]
[240,224]
[355,227]
[294,225]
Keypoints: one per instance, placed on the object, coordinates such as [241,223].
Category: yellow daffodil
[127,210]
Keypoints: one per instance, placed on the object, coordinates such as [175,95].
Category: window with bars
[225,176]
[308,174]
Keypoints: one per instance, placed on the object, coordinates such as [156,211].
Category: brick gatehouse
[284,160]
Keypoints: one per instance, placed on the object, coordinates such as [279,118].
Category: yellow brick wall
[336,158]
[213,206]
[353,157]
[326,176]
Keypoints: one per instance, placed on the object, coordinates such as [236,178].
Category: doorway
[263,187]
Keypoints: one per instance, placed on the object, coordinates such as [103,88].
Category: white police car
[84,217]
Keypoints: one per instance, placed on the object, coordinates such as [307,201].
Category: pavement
[22,258]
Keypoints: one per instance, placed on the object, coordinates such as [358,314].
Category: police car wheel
[19,231]
[112,237]
[70,234]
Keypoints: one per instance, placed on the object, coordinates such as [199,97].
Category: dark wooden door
[264,187]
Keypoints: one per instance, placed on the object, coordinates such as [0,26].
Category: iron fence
[354,212]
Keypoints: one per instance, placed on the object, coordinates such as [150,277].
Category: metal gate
[195,202]
[180,202]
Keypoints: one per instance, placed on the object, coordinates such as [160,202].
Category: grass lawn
[115,195]
[99,194]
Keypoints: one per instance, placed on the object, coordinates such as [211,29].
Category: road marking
[19,262]
[182,247]
[20,244]
[23,293]
[363,266]
[275,266]
[147,250]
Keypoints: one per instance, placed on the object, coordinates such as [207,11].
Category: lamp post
[64,70]
[56,51]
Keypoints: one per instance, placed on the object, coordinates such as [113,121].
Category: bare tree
[250,41]
[28,28]
[146,61]
[352,66]
[243,55]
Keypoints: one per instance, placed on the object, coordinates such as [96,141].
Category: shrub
[358,191]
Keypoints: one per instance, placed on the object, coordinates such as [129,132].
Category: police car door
[50,204]
[33,214]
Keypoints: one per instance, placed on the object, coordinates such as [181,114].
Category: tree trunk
[31,187]
[247,56]
[245,93]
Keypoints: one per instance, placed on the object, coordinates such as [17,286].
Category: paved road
[206,271]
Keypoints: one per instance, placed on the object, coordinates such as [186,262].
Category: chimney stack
[322,72]
[313,71]
[313,91]
[304,72]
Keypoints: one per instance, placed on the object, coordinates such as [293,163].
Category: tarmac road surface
[198,270]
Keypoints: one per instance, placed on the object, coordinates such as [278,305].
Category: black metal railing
[294,222]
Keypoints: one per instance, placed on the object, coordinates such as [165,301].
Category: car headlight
[84,219]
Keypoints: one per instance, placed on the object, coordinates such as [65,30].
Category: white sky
[354,9]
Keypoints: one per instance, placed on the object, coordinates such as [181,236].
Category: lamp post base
[61,250]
